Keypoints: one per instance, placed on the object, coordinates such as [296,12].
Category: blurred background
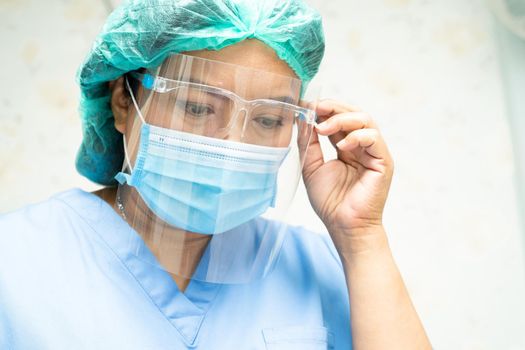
[445,81]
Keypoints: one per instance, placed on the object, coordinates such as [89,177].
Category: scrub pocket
[295,338]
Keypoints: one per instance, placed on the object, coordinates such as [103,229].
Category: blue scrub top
[69,281]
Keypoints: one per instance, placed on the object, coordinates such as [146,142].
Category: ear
[120,101]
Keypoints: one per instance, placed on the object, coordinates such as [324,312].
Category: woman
[193,107]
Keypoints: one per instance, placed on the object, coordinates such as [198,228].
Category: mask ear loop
[137,109]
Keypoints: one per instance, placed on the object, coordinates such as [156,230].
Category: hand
[348,193]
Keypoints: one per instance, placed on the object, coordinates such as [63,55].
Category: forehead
[250,53]
[246,82]
[249,68]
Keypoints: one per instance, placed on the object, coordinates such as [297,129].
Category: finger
[368,139]
[330,107]
[307,104]
[349,121]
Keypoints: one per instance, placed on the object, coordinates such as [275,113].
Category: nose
[236,131]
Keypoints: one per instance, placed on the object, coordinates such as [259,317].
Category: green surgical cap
[142,33]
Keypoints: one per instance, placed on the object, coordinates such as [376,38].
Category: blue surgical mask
[202,184]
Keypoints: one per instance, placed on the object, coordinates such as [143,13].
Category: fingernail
[341,143]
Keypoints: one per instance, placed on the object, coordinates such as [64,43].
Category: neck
[177,251]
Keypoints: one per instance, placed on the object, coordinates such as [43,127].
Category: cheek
[285,139]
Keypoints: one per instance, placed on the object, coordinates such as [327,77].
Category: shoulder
[44,229]
[46,245]
[36,219]
[51,254]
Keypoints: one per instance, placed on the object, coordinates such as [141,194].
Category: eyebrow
[283,98]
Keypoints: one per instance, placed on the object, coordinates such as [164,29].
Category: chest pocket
[295,338]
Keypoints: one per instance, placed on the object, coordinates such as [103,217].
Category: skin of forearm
[381,312]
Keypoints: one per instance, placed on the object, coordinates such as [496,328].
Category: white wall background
[426,70]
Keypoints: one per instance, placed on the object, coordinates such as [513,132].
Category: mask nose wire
[137,109]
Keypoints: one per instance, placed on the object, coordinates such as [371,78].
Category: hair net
[142,33]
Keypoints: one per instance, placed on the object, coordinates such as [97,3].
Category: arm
[349,194]
[382,314]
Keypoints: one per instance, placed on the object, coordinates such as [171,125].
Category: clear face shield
[213,158]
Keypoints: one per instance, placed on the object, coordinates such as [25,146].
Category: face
[211,112]
[262,76]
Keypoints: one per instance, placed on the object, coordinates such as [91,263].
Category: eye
[268,122]
[198,109]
